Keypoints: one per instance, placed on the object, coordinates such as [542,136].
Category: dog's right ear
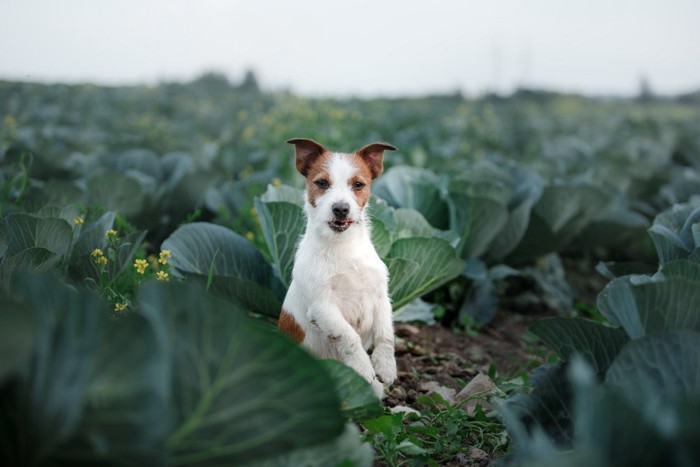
[307,151]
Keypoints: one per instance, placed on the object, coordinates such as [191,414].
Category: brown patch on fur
[363,176]
[317,171]
[288,325]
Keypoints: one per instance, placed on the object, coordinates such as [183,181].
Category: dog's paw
[377,388]
[384,363]
[362,365]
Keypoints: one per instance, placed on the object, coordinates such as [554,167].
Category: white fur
[339,291]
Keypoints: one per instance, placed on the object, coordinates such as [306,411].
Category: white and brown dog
[338,303]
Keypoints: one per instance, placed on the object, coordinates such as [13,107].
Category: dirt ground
[452,358]
[429,354]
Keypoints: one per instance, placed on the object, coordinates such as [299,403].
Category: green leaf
[547,409]
[480,302]
[346,450]
[381,237]
[357,400]
[379,209]
[673,231]
[564,207]
[527,187]
[681,268]
[414,188]
[144,161]
[25,231]
[477,218]
[386,424]
[411,223]
[240,391]
[550,280]
[68,213]
[17,334]
[410,448]
[52,388]
[609,428]
[238,271]
[31,260]
[416,310]
[93,235]
[283,194]
[613,229]
[562,212]
[126,398]
[401,273]
[94,391]
[282,224]
[596,343]
[62,193]
[3,241]
[437,264]
[115,191]
[658,366]
[643,306]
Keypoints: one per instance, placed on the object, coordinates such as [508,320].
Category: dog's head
[337,184]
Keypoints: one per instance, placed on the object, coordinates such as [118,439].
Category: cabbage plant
[629,381]
[184,379]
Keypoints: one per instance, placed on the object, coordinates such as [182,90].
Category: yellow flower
[250,236]
[276,182]
[111,233]
[140,265]
[162,276]
[120,306]
[98,257]
[78,220]
[164,256]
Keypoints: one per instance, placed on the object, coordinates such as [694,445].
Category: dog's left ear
[373,155]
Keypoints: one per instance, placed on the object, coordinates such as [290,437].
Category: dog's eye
[322,184]
[358,186]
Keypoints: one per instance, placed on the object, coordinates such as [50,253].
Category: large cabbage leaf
[227,263]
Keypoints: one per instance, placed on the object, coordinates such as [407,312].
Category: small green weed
[592,312]
[438,434]
[122,266]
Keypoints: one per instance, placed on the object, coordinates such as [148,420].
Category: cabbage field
[147,236]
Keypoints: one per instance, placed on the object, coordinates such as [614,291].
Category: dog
[338,303]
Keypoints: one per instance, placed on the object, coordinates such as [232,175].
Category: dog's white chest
[357,293]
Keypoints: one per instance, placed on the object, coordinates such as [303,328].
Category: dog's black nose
[341,210]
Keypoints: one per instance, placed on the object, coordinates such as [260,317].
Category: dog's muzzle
[341,221]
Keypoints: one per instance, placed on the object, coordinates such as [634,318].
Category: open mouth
[340,225]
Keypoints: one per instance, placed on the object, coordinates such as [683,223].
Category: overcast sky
[363,47]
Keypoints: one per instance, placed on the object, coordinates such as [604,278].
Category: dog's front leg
[330,326]
[383,359]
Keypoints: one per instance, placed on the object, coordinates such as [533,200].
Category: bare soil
[453,357]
